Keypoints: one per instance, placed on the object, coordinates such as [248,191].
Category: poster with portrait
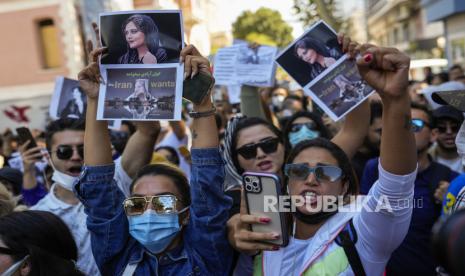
[141,94]
[316,62]
[141,37]
[68,100]
[245,64]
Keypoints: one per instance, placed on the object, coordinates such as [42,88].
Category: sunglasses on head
[64,152]
[269,145]
[297,127]
[322,173]
[418,125]
[161,204]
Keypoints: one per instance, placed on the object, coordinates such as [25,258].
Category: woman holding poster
[143,41]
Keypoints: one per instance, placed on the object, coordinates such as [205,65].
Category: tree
[310,11]
[265,26]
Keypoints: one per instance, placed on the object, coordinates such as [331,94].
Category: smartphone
[259,191]
[197,88]
[24,135]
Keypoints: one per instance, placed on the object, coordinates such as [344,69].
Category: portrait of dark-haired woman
[142,41]
[316,54]
[75,107]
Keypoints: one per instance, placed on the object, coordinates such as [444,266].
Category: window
[48,38]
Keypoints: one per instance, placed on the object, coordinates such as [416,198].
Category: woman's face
[139,86]
[134,37]
[262,162]
[76,94]
[307,54]
[310,189]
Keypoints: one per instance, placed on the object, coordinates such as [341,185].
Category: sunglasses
[322,173]
[418,125]
[443,129]
[64,152]
[161,204]
[297,127]
[7,251]
[268,146]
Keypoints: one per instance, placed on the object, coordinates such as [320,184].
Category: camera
[252,184]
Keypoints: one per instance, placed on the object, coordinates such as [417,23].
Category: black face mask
[313,218]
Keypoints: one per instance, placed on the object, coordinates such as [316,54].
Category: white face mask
[15,267]
[64,180]
[460,142]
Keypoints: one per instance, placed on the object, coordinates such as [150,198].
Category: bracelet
[194,114]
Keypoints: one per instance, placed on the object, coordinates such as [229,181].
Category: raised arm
[382,230]
[97,145]
[204,130]
[139,148]
[386,70]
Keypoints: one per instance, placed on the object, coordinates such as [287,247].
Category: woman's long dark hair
[152,38]
[343,161]
[320,126]
[311,43]
[45,238]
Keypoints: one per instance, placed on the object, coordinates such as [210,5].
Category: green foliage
[310,11]
[265,26]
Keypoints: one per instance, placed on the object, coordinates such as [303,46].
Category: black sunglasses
[418,125]
[268,146]
[453,127]
[64,152]
[297,127]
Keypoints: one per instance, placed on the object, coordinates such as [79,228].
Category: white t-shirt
[75,218]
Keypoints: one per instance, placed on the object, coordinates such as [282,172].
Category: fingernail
[275,236]
[185,75]
[275,248]
[367,57]
[192,75]
[265,220]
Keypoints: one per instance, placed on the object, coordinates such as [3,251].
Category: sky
[230,10]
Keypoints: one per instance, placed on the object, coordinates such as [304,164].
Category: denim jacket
[204,249]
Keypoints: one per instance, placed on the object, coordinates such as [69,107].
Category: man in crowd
[447,121]
[455,72]
[413,256]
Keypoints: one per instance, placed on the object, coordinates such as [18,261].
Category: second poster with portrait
[142,77]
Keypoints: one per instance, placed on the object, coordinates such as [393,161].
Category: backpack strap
[347,239]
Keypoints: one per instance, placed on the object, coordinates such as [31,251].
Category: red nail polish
[276,248]
[265,220]
[367,57]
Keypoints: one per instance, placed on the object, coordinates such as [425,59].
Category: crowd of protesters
[165,198]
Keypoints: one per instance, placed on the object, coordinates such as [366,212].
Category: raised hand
[348,46]
[30,156]
[384,69]
[90,78]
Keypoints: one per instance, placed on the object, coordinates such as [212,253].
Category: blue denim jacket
[204,250]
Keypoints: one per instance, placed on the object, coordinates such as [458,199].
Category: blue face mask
[154,231]
[304,133]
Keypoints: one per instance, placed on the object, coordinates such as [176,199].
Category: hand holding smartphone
[259,190]
[24,135]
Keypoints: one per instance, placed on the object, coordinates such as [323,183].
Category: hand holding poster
[244,64]
[141,71]
[315,61]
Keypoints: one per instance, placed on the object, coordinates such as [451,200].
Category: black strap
[347,239]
